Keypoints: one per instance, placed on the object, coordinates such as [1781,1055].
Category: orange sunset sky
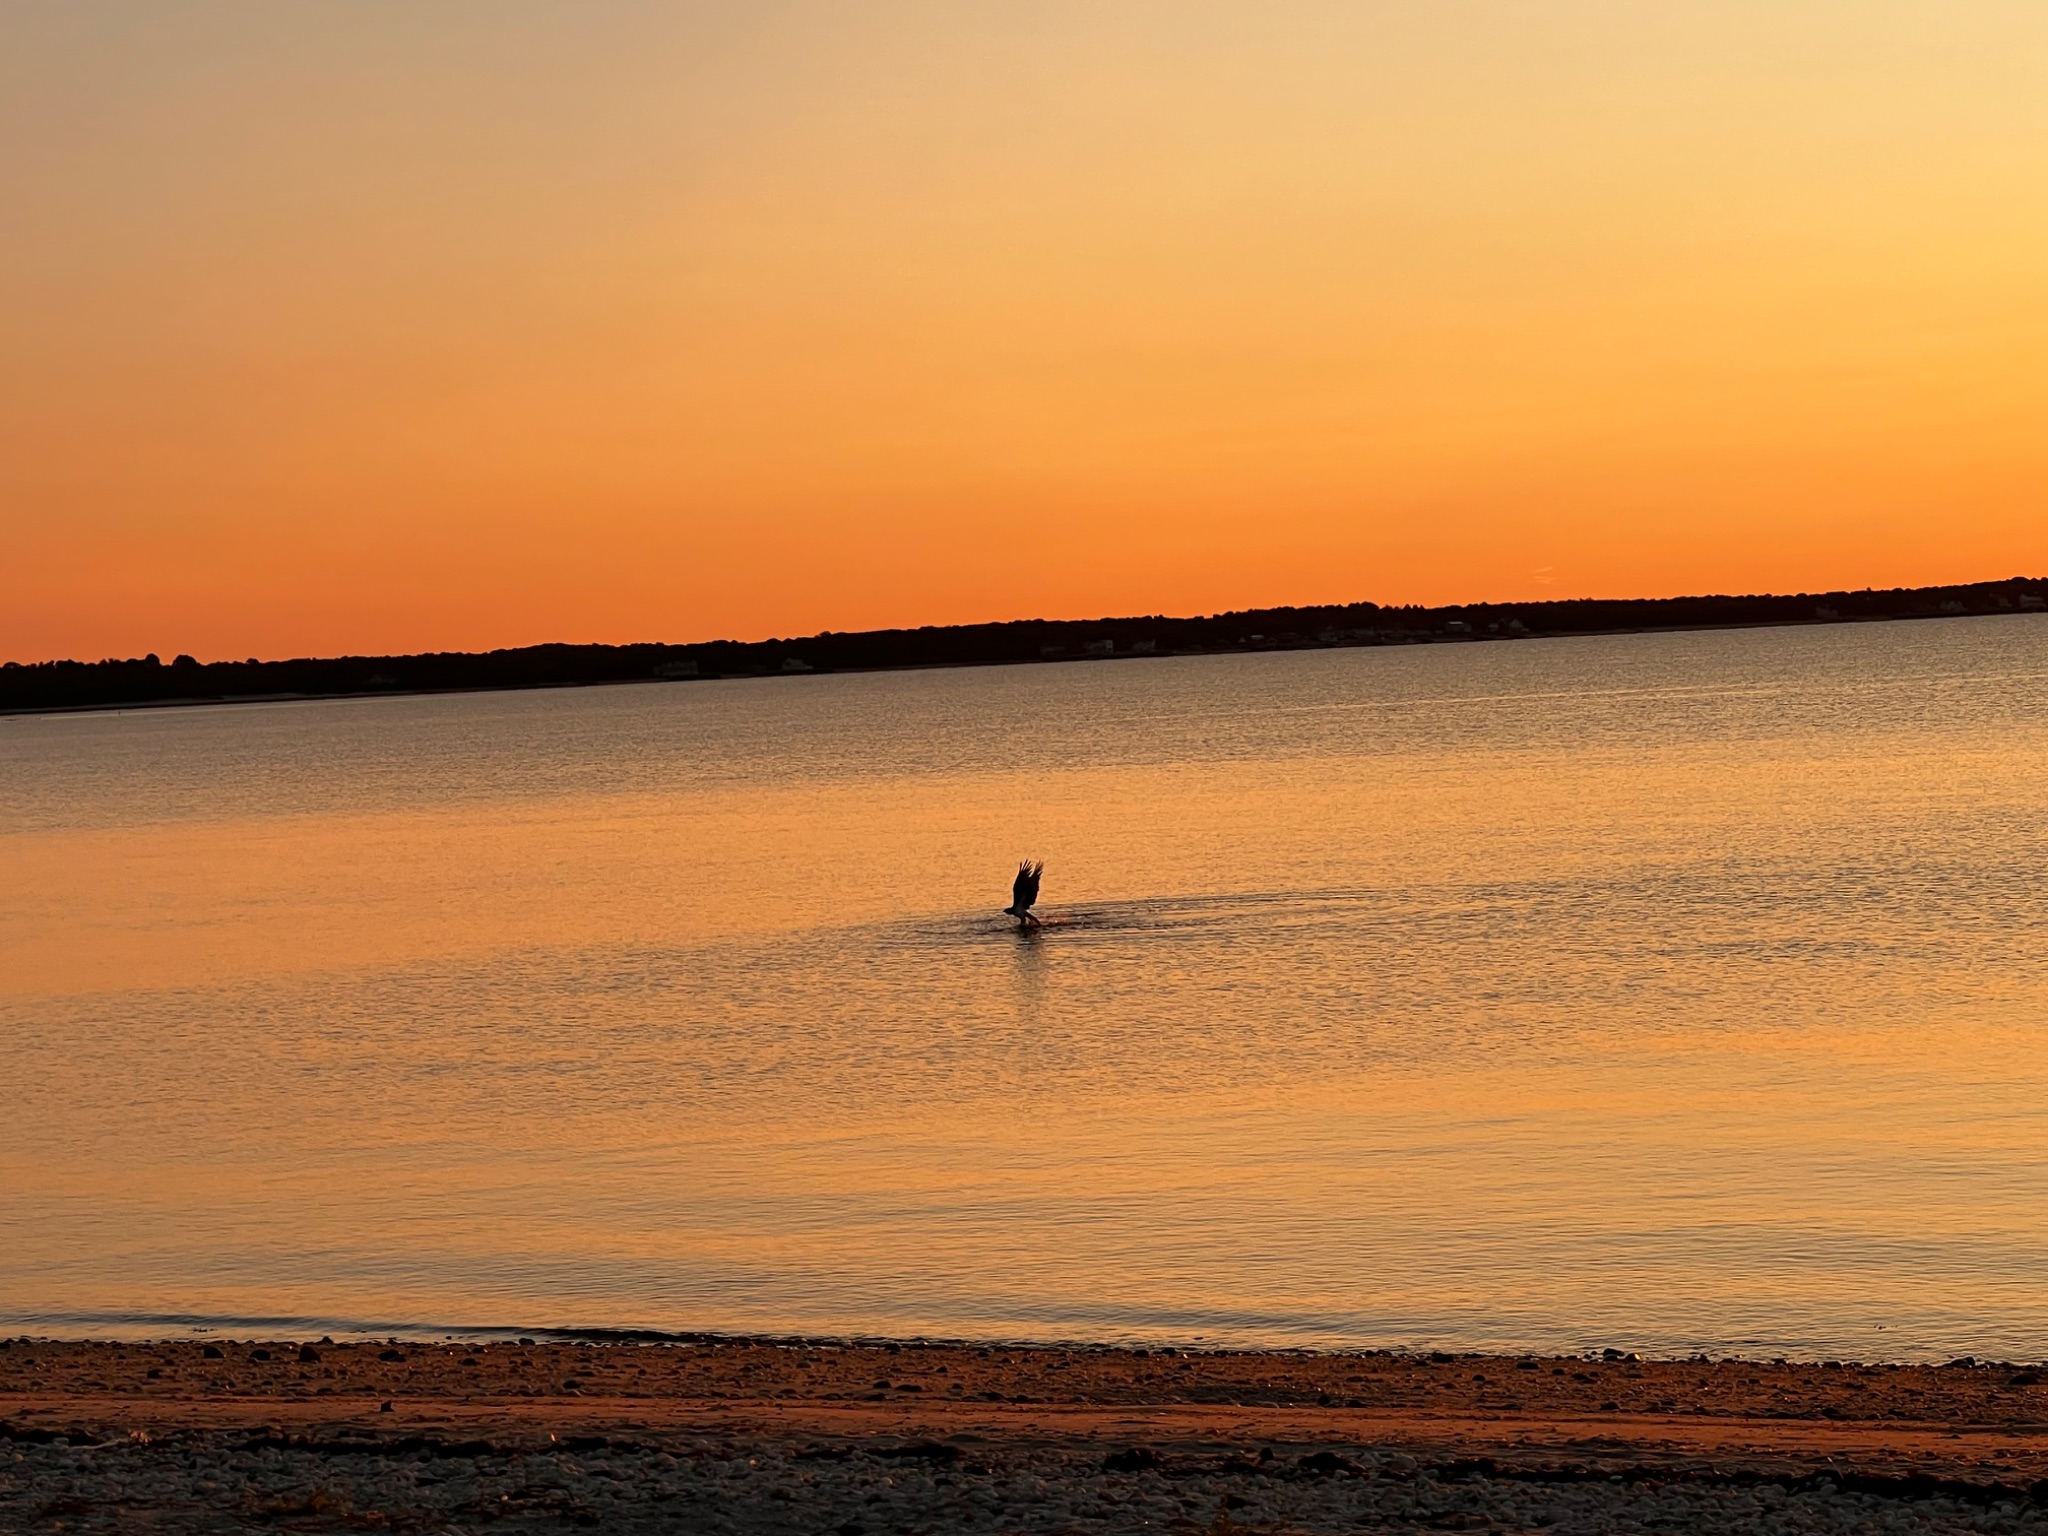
[410,324]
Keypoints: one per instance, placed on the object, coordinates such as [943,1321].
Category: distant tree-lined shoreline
[148,681]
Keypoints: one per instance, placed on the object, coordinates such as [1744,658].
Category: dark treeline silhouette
[147,680]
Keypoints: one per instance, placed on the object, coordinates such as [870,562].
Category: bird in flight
[1024,894]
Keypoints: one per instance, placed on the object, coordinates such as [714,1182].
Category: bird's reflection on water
[1030,976]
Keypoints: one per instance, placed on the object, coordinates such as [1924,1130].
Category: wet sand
[929,1437]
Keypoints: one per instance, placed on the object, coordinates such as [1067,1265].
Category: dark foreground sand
[870,1439]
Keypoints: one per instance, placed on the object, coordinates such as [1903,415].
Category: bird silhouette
[1024,894]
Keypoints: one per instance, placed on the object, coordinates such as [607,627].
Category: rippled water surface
[1679,992]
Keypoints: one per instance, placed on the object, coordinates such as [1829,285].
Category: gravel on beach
[231,1483]
[234,1442]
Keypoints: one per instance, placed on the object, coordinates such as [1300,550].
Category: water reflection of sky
[1688,998]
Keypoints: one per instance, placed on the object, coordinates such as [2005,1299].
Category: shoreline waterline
[291,1333]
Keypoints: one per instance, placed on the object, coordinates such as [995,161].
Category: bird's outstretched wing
[1025,891]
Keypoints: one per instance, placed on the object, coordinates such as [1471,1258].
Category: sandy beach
[766,1435]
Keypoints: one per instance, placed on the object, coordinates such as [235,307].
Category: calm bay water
[1677,992]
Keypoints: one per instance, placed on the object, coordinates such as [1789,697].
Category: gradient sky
[378,325]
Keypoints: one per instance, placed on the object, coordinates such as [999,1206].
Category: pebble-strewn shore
[229,1483]
[761,1436]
